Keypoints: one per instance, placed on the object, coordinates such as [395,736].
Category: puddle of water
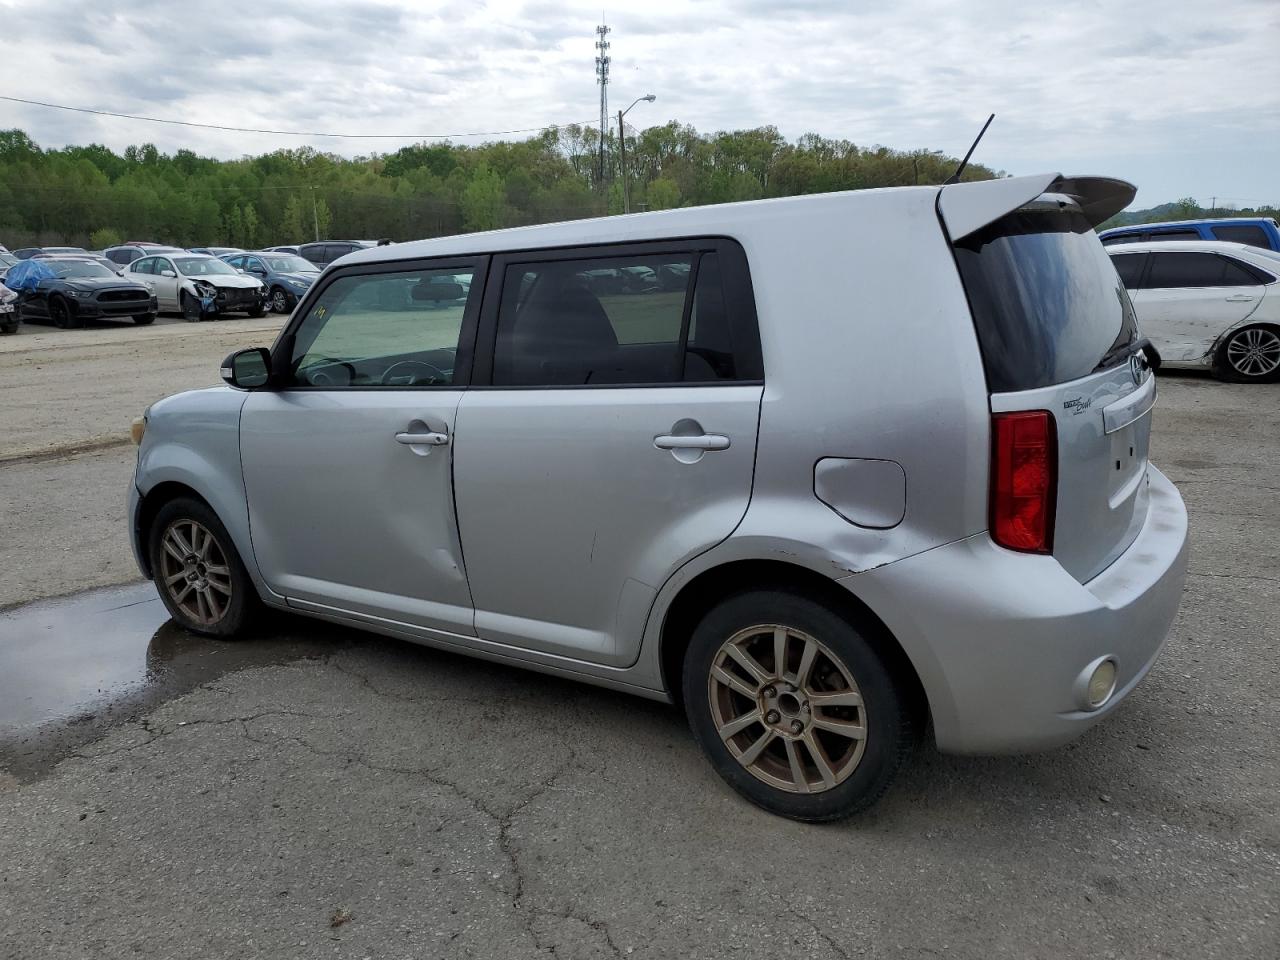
[70,668]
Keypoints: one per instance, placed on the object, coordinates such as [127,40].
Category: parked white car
[201,286]
[1207,305]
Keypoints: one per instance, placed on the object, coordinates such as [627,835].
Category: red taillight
[1024,480]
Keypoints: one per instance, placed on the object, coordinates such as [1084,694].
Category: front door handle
[1240,298]
[708,441]
[422,439]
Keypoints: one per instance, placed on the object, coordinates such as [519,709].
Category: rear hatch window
[1057,334]
[1046,302]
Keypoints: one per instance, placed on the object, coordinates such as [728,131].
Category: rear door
[166,287]
[609,438]
[1187,300]
[1058,333]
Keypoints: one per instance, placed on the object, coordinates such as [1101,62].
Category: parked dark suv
[324,252]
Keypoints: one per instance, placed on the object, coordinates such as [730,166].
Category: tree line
[92,196]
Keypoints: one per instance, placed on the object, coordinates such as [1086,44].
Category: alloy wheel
[194,572]
[279,301]
[1254,352]
[787,708]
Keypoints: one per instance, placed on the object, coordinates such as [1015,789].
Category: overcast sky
[1180,96]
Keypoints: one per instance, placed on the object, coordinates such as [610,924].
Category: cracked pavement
[368,798]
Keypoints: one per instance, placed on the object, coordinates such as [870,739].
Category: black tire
[1249,355]
[9,328]
[191,311]
[142,319]
[281,300]
[243,605]
[889,726]
[61,315]
[256,312]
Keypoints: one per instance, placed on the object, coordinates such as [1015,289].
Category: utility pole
[1213,206]
[622,150]
[315,213]
[602,78]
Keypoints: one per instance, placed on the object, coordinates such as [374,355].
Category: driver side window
[392,330]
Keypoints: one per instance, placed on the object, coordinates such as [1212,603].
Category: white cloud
[1177,95]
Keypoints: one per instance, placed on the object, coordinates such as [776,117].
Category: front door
[1188,299]
[166,287]
[613,438]
[347,464]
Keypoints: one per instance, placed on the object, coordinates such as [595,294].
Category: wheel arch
[1215,353]
[708,588]
[149,506]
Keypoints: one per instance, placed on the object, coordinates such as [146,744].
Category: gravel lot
[349,796]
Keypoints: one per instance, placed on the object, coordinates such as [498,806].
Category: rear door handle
[1240,298]
[708,441]
[422,439]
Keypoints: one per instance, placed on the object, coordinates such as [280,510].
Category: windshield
[77,269]
[202,266]
[290,264]
[1047,304]
[8,260]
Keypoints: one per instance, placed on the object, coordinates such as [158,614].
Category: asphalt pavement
[320,792]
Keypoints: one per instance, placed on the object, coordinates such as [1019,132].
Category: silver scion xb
[828,471]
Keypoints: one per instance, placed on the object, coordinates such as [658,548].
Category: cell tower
[602,78]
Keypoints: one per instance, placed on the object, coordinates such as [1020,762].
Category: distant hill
[1185,209]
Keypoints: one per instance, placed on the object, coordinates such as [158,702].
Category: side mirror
[247,369]
[168,273]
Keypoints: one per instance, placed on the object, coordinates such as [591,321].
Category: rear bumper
[1001,639]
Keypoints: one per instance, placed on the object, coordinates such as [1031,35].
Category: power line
[291,133]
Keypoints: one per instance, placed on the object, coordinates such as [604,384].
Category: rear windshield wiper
[1122,350]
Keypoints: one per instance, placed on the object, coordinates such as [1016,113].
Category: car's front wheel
[192,310]
[61,314]
[281,300]
[1249,355]
[794,706]
[142,319]
[199,574]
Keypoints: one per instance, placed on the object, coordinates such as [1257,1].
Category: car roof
[965,207]
[1206,221]
[1180,246]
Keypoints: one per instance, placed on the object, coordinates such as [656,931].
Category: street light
[622,147]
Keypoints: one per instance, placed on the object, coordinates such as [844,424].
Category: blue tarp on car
[24,275]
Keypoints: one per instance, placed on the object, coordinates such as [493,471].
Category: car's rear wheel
[794,706]
[198,572]
[281,300]
[1249,355]
[142,319]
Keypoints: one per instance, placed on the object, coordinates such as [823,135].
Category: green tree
[252,226]
[663,194]
[105,237]
[321,217]
[291,228]
[483,200]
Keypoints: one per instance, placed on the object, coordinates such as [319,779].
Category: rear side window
[1174,270]
[1047,303]
[641,319]
[1121,238]
[1129,267]
[1248,233]
[144,266]
[1174,235]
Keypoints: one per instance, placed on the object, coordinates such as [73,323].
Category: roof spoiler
[968,207]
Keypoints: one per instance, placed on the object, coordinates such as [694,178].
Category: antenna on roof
[955,177]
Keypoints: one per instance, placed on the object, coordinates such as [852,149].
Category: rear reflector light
[1024,480]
